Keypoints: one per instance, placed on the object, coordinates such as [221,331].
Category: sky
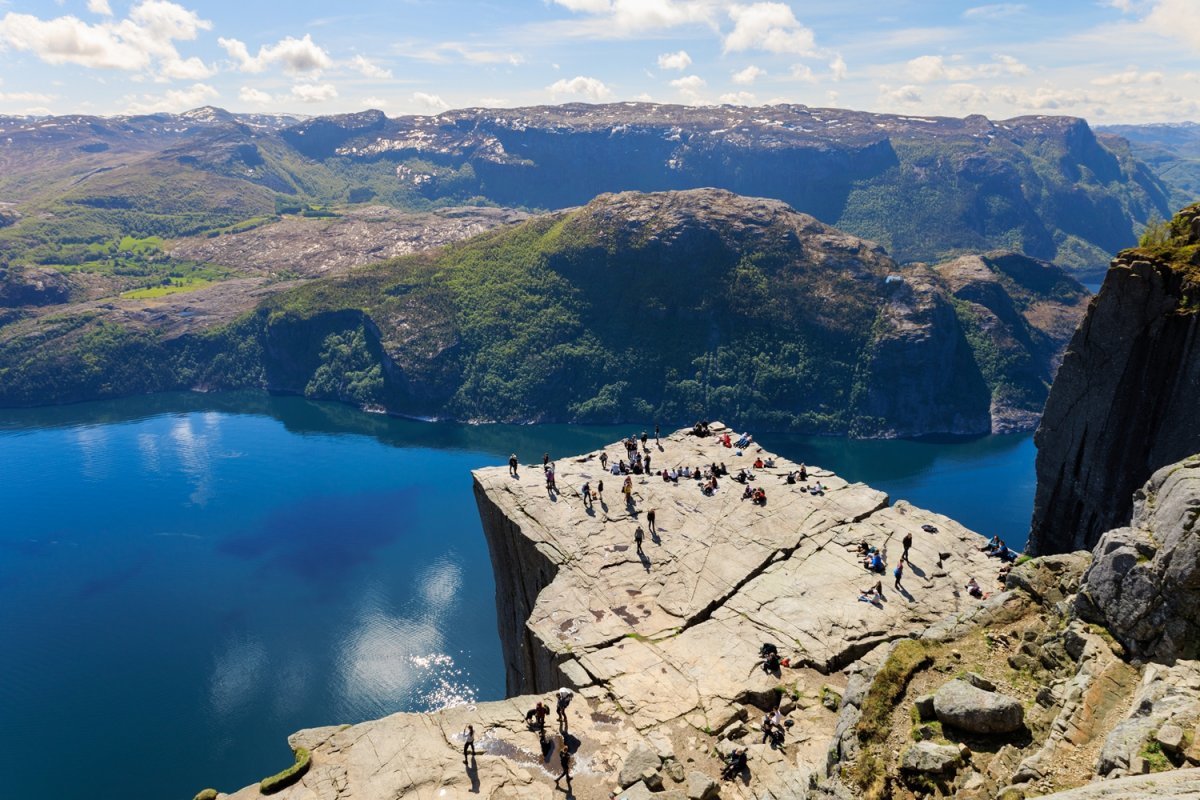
[1106,60]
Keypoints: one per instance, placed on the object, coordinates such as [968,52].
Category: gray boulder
[971,709]
[638,791]
[930,757]
[701,786]
[637,763]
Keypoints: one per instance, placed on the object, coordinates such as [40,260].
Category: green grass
[206,794]
[1154,756]
[905,660]
[176,286]
[289,776]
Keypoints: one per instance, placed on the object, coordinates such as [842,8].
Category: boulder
[1170,737]
[701,786]
[637,763]
[979,682]
[925,708]
[930,757]
[638,791]
[971,709]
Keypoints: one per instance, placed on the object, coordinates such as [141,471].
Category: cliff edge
[1123,403]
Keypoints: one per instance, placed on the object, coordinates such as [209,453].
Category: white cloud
[927,69]
[99,7]
[143,40]
[679,61]
[314,92]
[26,97]
[369,68]
[198,94]
[904,95]
[1129,76]
[429,102]
[837,68]
[690,86]
[190,69]
[295,56]
[803,72]
[639,16]
[965,96]
[768,26]
[737,98]
[591,88]
[450,52]
[248,94]
[1124,6]
[994,11]
[1178,19]
[748,75]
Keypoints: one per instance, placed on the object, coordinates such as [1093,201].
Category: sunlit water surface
[185,580]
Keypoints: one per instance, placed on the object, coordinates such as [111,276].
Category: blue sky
[1106,60]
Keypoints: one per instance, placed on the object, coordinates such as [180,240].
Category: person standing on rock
[650,522]
[600,490]
[468,741]
[656,433]
[545,460]
[564,700]
[907,544]
[627,490]
[512,465]
[564,760]
[644,440]
[587,494]
[898,572]
[637,540]
[646,463]
[603,460]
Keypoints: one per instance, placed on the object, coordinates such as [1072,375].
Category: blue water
[187,579]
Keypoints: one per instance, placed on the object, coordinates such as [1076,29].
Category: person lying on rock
[974,590]
[873,595]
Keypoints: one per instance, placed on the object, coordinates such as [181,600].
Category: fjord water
[187,579]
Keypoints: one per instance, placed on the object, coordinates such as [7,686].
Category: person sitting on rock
[760,496]
[747,493]
[818,488]
[803,473]
[725,440]
[735,763]
[771,663]
[769,463]
[744,441]
[758,463]
[991,545]
[973,589]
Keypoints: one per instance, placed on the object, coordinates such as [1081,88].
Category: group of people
[756,495]
[996,547]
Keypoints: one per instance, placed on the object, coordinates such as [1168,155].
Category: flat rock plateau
[662,647]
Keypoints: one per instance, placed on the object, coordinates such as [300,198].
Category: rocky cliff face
[1124,401]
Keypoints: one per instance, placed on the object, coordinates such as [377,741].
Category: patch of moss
[206,794]
[1155,758]
[905,660]
[289,776]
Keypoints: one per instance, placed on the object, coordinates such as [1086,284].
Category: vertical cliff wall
[522,571]
[1125,400]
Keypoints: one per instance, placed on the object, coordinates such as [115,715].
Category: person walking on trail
[650,522]
[907,544]
[468,741]
[512,465]
[564,699]
[627,490]
[564,760]
[638,536]
[899,573]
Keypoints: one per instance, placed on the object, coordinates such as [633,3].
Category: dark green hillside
[670,306]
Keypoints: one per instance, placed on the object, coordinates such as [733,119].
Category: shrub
[290,775]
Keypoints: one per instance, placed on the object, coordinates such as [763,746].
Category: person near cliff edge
[468,741]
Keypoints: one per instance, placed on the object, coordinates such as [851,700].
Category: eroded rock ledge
[663,650]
